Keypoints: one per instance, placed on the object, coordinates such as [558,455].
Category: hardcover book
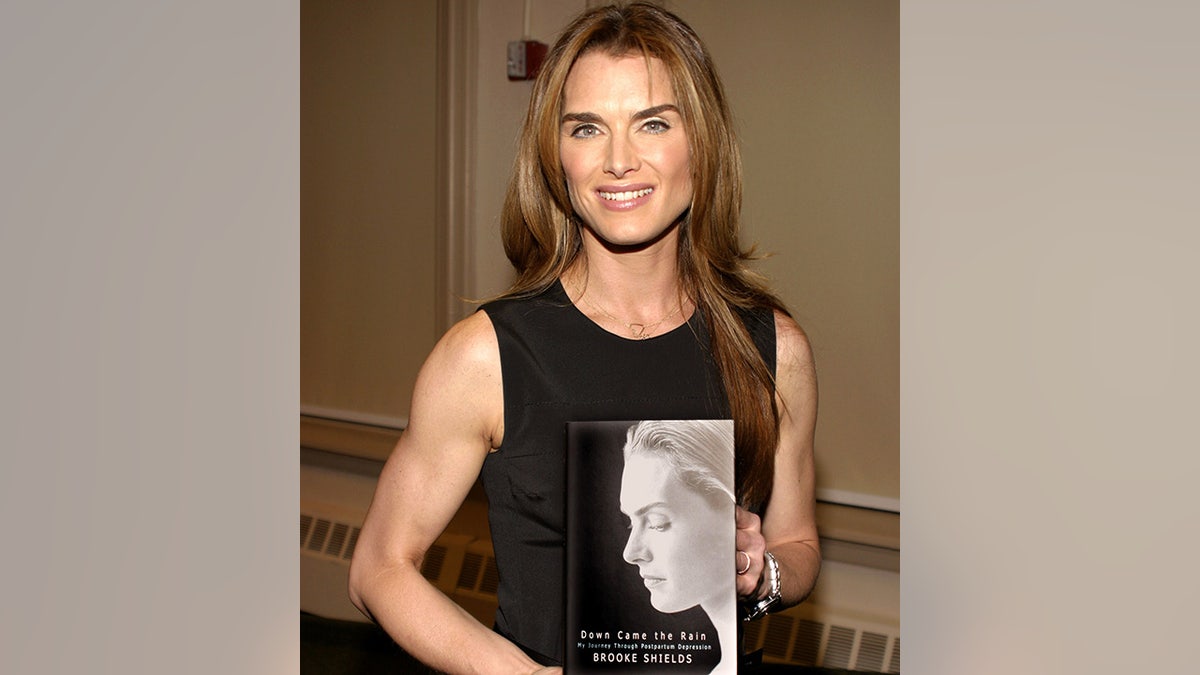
[650,547]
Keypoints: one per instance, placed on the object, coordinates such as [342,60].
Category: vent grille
[320,532]
[305,527]
[870,652]
[778,637]
[837,649]
[808,642]
[472,563]
[790,637]
[327,537]
[351,543]
[338,539]
[431,567]
[478,577]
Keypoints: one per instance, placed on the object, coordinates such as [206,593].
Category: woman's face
[623,148]
[674,538]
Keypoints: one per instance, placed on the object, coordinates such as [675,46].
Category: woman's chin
[664,606]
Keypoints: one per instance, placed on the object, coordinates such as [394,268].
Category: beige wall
[502,105]
[367,109]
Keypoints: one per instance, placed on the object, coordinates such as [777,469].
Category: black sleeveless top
[557,366]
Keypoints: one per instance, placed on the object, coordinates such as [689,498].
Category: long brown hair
[541,233]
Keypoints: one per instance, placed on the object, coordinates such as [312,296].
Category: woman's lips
[651,582]
[624,198]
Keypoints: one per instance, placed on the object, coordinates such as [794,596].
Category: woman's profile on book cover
[650,547]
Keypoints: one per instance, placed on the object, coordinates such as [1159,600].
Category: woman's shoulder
[460,383]
[792,347]
[469,345]
[788,330]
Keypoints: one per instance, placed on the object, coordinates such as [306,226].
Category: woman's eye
[656,126]
[584,131]
[658,524]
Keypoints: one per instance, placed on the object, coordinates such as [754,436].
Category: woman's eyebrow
[581,117]
[655,111]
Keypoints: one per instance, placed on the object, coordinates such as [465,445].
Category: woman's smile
[617,199]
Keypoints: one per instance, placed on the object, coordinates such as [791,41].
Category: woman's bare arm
[455,421]
[788,528]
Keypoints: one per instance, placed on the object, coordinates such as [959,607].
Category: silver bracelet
[763,606]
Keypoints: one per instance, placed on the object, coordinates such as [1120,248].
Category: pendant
[639,330]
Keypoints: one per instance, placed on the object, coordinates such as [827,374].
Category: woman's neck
[639,285]
[724,617]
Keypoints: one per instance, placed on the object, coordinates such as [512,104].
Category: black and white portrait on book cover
[650,547]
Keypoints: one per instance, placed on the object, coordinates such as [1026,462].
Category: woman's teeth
[625,196]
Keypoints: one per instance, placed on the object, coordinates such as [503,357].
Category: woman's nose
[635,551]
[622,156]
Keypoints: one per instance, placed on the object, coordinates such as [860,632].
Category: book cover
[650,547]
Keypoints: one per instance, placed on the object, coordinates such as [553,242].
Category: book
[650,547]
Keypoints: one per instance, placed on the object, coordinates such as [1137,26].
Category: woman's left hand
[748,559]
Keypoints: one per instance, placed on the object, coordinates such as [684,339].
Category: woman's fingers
[750,547]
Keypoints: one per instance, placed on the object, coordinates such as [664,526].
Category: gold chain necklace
[640,331]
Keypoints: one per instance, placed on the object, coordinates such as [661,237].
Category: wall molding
[345,437]
[859,499]
[456,65]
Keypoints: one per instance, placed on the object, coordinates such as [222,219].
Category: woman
[633,301]
[677,491]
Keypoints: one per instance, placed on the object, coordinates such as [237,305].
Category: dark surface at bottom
[337,647]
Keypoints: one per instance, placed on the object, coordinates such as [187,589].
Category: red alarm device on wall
[525,59]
